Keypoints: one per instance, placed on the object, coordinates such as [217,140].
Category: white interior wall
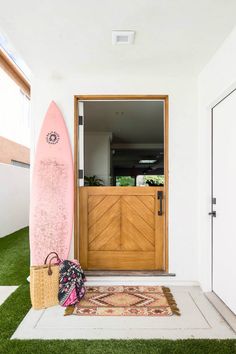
[14,198]
[182,92]
[97,155]
[216,80]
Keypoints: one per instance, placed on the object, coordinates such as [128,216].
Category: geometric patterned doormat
[125,301]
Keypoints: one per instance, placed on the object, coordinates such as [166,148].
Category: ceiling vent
[122,37]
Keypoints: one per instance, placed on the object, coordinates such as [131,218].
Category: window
[123,181]
[150,180]
[14,111]
[14,107]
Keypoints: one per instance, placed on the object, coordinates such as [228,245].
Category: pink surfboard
[51,206]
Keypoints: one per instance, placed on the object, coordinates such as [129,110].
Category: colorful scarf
[71,283]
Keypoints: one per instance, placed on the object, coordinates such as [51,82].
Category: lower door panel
[120,228]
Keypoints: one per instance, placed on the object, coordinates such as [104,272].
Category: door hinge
[81,174]
[213,200]
[81,120]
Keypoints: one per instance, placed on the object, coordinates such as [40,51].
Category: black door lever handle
[212,213]
[160,197]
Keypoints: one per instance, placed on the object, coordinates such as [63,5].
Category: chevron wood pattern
[121,228]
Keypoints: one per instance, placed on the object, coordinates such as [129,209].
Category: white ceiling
[130,122]
[67,38]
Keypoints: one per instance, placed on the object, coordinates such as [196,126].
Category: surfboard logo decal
[53,137]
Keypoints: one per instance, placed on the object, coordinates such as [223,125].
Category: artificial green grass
[190,346]
[14,258]
[13,310]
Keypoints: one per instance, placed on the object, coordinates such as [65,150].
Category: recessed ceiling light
[122,37]
[147,161]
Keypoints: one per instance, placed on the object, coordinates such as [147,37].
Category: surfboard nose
[54,111]
[53,105]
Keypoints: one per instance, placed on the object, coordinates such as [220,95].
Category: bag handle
[45,262]
[50,265]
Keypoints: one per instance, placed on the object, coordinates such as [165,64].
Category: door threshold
[143,273]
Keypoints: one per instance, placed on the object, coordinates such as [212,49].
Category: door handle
[212,213]
[160,197]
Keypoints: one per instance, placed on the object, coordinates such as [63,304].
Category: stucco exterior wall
[9,150]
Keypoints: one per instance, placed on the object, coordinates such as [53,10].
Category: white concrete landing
[6,291]
[199,319]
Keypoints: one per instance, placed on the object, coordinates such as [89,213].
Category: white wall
[14,198]
[97,155]
[182,148]
[216,80]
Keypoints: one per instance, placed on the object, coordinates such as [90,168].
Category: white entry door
[224,192]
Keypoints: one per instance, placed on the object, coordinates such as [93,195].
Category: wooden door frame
[165,99]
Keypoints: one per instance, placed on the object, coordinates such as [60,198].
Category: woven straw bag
[44,284]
